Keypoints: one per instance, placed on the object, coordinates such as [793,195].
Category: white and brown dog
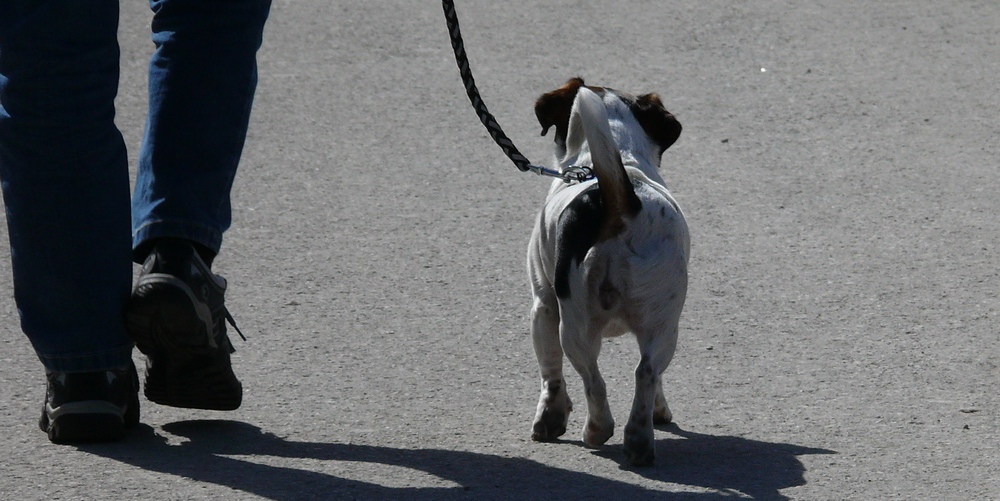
[608,256]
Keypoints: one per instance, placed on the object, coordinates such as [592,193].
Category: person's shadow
[728,466]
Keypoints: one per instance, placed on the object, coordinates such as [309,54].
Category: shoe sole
[88,421]
[185,367]
[76,428]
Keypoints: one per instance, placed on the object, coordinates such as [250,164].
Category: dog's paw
[639,447]
[662,416]
[596,434]
[552,414]
[640,454]
[549,425]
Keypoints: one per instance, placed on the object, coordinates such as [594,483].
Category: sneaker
[90,406]
[177,318]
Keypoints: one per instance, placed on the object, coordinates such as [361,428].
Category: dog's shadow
[724,463]
[236,454]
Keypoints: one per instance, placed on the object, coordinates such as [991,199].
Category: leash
[571,174]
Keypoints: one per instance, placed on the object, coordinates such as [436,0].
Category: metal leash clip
[573,173]
[578,173]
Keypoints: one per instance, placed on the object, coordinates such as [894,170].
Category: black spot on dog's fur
[553,388]
[607,294]
[578,230]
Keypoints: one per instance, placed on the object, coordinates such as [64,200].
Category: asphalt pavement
[838,170]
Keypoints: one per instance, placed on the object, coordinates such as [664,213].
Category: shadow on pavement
[727,465]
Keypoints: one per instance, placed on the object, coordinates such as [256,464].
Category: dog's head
[553,110]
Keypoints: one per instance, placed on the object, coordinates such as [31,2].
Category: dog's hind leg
[661,412]
[554,404]
[656,352]
[582,342]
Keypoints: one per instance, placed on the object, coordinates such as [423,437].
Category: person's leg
[65,180]
[65,185]
[202,78]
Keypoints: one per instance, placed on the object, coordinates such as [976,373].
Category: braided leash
[571,174]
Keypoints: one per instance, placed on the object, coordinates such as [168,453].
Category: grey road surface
[838,168]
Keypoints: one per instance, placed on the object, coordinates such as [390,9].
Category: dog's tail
[620,202]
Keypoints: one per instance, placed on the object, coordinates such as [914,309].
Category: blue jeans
[63,164]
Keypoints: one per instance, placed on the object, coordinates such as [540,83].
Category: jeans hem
[89,362]
[204,235]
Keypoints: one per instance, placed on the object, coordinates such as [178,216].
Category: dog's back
[625,232]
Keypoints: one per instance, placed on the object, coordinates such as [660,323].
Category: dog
[607,256]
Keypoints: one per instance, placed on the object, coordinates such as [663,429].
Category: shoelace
[229,318]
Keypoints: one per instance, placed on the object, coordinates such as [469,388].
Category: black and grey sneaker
[177,317]
[90,406]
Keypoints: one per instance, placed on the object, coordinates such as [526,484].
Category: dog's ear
[553,108]
[658,123]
